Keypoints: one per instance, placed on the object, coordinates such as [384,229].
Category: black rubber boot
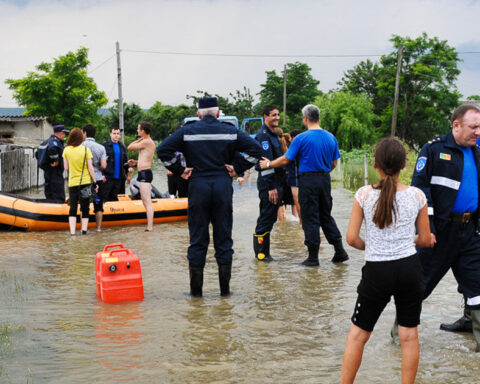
[224,274]
[464,324]
[261,247]
[196,281]
[475,317]
[312,259]
[340,254]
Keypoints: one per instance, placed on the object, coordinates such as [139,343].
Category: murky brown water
[283,324]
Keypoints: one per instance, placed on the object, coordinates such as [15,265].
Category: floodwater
[284,323]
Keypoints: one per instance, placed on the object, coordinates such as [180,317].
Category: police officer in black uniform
[448,172]
[53,164]
[269,184]
[208,146]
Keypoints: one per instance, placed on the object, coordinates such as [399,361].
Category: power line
[255,55]
[98,66]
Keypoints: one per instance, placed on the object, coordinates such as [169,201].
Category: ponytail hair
[390,156]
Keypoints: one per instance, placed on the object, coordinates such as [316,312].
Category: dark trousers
[314,195]
[74,193]
[111,189]
[210,201]
[268,211]
[54,185]
[177,186]
[457,247]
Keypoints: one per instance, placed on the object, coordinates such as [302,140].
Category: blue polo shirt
[467,195]
[315,150]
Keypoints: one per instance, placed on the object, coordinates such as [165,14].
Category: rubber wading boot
[196,281]
[464,324]
[224,274]
[312,259]
[394,331]
[476,327]
[340,253]
[261,247]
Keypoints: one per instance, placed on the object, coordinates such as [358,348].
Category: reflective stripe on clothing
[210,137]
[445,181]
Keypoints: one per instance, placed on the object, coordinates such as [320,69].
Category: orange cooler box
[120,276]
[98,258]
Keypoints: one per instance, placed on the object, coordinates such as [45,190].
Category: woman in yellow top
[77,160]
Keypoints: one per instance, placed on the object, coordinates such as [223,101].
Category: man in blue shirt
[317,152]
[447,171]
[116,172]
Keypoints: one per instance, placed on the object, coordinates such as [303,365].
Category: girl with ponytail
[391,211]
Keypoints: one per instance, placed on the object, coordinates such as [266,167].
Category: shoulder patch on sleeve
[421,162]
[265,145]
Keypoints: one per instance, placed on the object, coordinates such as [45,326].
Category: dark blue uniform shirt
[438,173]
[208,145]
[269,178]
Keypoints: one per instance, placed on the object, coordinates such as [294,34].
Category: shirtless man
[146,148]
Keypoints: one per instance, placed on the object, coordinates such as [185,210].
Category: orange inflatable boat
[39,215]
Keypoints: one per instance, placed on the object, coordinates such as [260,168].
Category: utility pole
[120,98]
[285,95]
[397,91]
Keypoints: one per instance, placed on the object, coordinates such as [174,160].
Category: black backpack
[41,155]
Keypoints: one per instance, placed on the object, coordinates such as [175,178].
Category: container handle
[109,246]
[126,250]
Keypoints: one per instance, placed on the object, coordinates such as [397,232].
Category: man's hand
[187,173]
[231,170]
[132,162]
[433,240]
[54,164]
[273,196]
[129,179]
[169,173]
[263,163]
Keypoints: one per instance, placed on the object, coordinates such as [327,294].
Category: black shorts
[145,176]
[402,279]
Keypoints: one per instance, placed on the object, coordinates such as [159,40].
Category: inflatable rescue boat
[40,215]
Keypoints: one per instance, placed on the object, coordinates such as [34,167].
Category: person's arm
[277,163]
[421,179]
[65,164]
[136,145]
[334,164]
[252,153]
[166,152]
[424,238]
[90,169]
[353,231]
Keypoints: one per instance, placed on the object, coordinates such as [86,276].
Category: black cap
[207,102]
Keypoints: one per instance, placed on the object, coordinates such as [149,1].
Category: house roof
[14,119]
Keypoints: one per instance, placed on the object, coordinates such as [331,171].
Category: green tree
[132,115]
[349,117]
[474,98]
[61,90]
[166,118]
[427,87]
[302,89]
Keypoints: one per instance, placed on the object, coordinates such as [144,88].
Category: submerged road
[284,323]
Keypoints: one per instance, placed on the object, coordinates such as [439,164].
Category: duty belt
[461,217]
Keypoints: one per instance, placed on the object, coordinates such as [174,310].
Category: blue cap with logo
[60,128]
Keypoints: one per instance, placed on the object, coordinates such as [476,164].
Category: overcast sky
[36,31]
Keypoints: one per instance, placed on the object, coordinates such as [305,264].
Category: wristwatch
[268,164]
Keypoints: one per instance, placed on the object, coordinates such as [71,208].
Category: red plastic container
[98,258]
[120,277]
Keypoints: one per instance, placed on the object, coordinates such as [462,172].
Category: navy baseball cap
[60,128]
[207,102]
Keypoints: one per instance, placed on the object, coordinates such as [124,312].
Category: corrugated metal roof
[13,119]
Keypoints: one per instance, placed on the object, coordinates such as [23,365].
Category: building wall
[26,132]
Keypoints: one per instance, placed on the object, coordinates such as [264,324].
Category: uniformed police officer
[447,171]
[317,153]
[208,145]
[269,184]
[53,165]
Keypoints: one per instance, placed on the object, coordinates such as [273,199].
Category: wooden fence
[18,169]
